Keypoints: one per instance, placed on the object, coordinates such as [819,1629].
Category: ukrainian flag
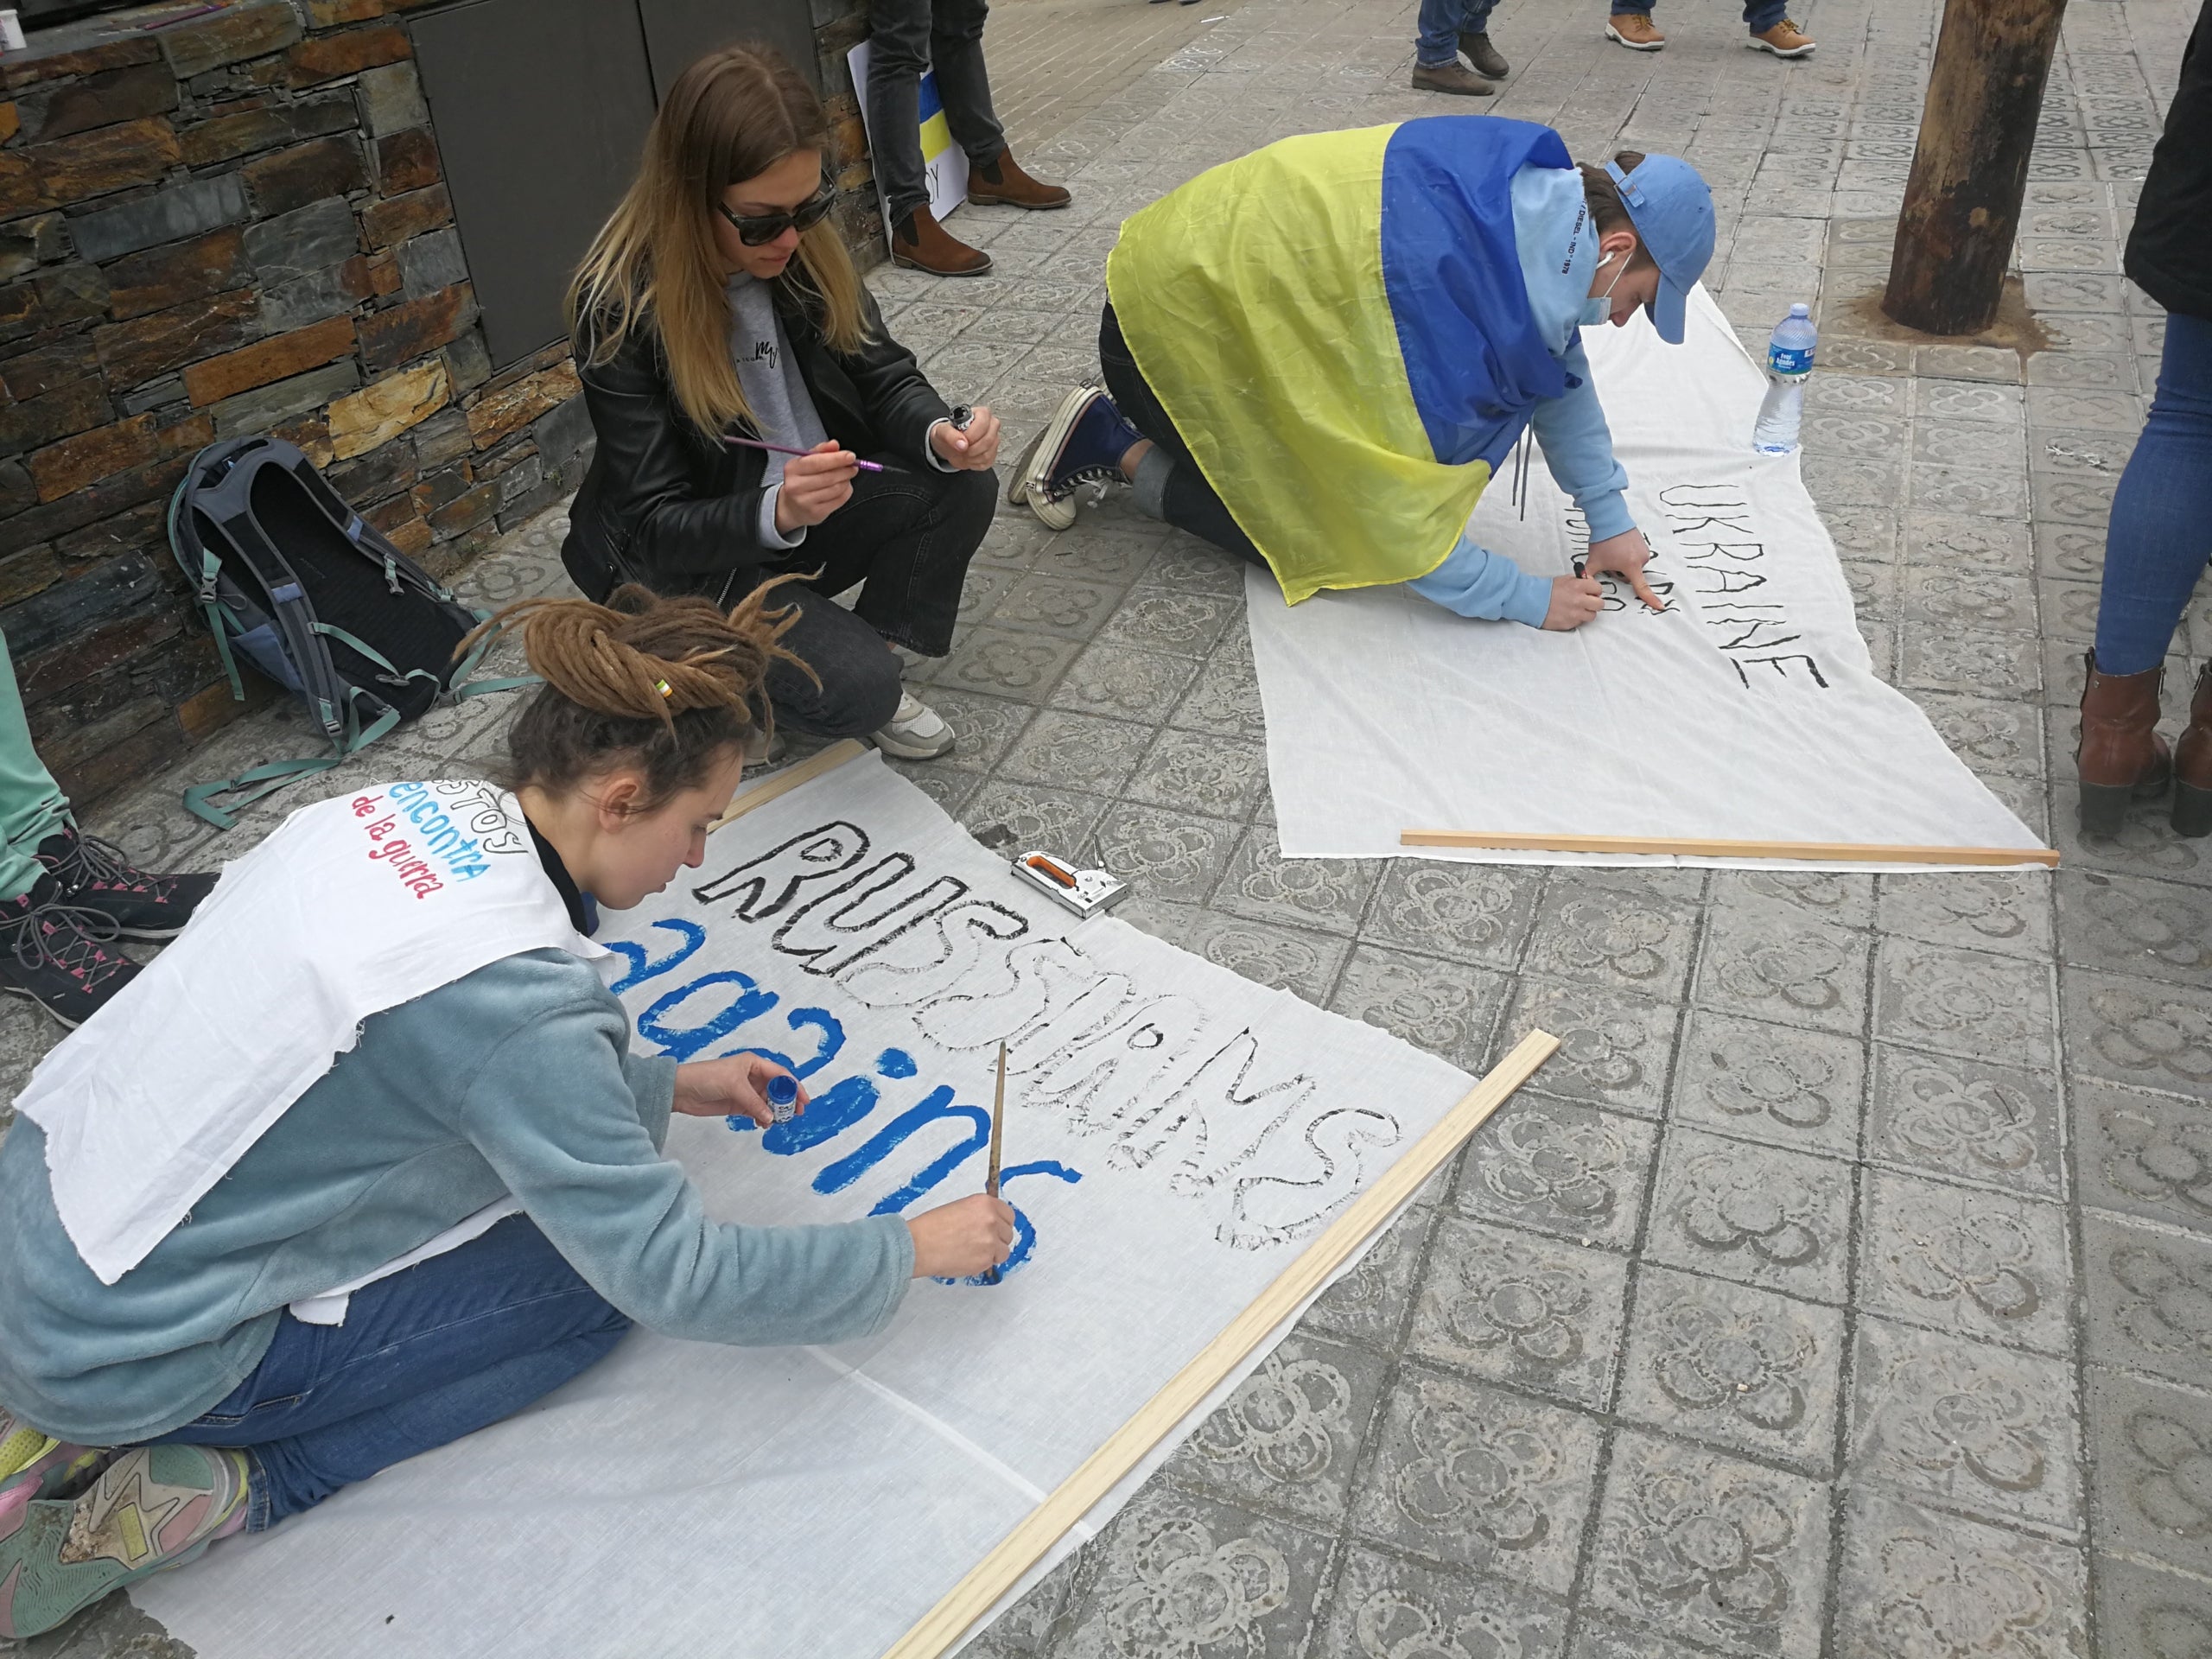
[1338,326]
[936,137]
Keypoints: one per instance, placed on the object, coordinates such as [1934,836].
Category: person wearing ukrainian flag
[1318,355]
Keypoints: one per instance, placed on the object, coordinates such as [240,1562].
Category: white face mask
[1599,308]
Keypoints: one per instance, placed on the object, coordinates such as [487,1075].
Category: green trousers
[32,805]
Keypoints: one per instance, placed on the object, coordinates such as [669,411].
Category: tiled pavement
[1844,1288]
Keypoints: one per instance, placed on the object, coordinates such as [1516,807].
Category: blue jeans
[1759,15]
[1442,22]
[451,1345]
[2161,526]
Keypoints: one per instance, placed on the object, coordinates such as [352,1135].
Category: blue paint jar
[783,1096]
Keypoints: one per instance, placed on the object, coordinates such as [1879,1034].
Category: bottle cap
[1801,310]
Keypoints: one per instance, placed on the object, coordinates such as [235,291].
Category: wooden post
[1970,167]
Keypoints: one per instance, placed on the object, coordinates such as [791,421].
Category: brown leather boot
[2121,757]
[1002,181]
[2193,764]
[921,244]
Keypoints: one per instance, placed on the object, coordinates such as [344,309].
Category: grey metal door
[540,108]
[678,32]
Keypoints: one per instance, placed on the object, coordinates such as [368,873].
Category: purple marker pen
[785,449]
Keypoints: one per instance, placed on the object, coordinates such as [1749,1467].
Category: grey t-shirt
[783,408]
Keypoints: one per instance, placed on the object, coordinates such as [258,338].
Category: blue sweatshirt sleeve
[1474,581]
[573,1124]
[1578,449]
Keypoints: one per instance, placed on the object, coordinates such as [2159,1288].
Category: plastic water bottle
[1788,366]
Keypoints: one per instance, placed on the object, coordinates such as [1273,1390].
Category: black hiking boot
[51,952]
[94,876]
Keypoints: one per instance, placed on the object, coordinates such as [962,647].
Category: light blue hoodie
[516,1079]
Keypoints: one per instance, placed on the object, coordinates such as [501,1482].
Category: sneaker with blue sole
[1083,444]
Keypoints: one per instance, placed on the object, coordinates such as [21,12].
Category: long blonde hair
[730,117]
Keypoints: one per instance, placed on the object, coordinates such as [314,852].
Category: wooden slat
[782,782]
[1020,1549]
[1824,852]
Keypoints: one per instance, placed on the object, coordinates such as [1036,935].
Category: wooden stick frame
[1823,852]
[782,782]
[1020,1549]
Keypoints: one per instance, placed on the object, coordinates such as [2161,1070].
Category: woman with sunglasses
[720,326]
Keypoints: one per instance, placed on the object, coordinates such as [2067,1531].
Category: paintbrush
[785,449]
[998,1134]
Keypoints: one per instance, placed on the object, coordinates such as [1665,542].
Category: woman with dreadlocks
[447,1124]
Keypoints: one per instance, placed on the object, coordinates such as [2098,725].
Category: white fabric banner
[1746,710]
[1174,1136]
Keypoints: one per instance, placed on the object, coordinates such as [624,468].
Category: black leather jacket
[665,504]
[2170,251]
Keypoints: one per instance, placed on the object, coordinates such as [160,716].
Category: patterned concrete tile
[2150,1298]
[1965,1425]
[1039,603]
[1770,963]
[1824,895]
[1712,1549]
[1738,1367]
[1191,771]
[1166,853]
[1177,1573]
[1471,1476]
[1037,815]
[1001,663]
[1943,1116]
[1989,736]
[2007,911]
[1123,683]
[1329,894]
[2150,1463]
[1760,1215]
[1368,1304]
[1560,1168]
[1934,540]
[1479,914]
[1614,1047]
[1917,1581]
[1778,1085]
[1544,1315]
[1382,1606]
[2124,925]
[1612,928]
[1448,1009]
[1072,751]
[1598,1638]
[1291,959]
[1979,1263]
[1224,700]
[2145,1613]
[1163,619]
[984,728]
[1287,1439]
[2135,1031]
[1962,1002]
[2143,1154]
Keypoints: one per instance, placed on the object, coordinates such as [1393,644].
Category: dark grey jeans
[909,37]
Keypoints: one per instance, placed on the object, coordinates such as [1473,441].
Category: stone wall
[234,225]
[237,224]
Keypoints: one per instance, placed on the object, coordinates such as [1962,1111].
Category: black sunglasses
[755,229]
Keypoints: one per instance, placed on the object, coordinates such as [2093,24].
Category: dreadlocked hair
[1607,210]
[667,686]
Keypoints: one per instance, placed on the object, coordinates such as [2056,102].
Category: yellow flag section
[1253,301]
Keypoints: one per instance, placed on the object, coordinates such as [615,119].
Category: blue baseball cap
[1671,207]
